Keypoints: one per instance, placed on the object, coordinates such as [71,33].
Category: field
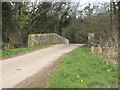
[83,69]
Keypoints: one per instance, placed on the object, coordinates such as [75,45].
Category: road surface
[17,69]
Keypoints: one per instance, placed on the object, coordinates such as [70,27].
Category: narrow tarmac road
[17,69]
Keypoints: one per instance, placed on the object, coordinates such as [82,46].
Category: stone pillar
[91,38]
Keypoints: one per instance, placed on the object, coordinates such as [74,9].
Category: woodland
[70,20]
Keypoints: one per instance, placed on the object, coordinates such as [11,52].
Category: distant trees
[23,18]
[64,18]
[96,19]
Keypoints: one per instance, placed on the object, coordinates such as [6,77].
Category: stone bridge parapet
[36,39]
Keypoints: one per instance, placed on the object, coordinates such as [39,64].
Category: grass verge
[83,69]
[11,52]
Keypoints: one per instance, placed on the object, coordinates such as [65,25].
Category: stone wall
[36,39]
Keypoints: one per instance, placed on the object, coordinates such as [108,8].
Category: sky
[92,1]
[81,1]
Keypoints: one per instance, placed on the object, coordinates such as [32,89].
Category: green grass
[82,69]
[10,52]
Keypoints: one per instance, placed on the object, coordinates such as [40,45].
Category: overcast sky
[81,1]
[92,1]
